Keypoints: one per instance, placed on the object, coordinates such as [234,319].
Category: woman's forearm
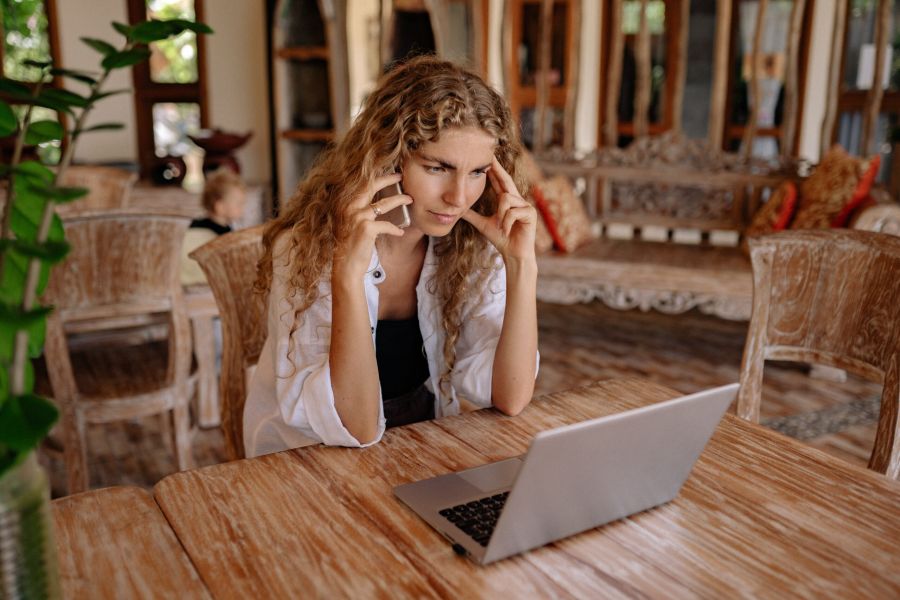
[512,383]
[354,370]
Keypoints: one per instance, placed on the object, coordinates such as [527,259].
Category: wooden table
[115,543]
[761,515]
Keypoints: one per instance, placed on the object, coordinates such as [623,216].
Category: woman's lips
[444,219]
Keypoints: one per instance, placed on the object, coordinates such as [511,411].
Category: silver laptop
[572,478]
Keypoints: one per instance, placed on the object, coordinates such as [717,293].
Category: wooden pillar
[791,86]
[681,50]
[750,127]
[834,75]
[643,76]
[542,83]
[574,41]
[720,75]
[876,89]
[614,76]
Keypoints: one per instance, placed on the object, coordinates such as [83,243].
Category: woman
[371,325]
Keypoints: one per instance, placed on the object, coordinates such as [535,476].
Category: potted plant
[31,241]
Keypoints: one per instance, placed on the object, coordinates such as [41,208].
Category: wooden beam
[791,87]
[681,51]
[614,75]
[572,67]
[832,95]
[755,97]
[720,75]
[876,89]
[542,80]
[643,71]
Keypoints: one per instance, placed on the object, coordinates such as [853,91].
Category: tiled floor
[578,344]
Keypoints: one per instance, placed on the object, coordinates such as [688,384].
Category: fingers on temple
[524,214]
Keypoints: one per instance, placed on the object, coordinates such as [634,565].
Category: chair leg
[205,352]
[183,456]
[75,451]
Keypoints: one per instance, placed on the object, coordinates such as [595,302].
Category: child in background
[224,197]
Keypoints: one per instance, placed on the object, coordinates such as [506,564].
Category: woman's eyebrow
[448,165]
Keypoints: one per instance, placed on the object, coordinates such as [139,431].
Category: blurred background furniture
[829,297]
[229,263]
[122,272]
[109,187]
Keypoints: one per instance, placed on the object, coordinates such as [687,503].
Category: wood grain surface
[115,543]
[830,298]
[761,515]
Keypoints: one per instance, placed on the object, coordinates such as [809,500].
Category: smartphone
[398,216]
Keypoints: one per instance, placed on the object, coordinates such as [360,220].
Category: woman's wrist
[521,268]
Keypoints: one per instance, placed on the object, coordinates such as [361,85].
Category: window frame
[148,92]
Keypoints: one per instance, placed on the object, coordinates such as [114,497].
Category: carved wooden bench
[668,217]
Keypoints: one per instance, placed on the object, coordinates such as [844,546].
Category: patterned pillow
[543,241]
[563,213]
[774,215]
[831,186]
[860,195]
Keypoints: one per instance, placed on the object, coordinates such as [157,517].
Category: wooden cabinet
[309,84]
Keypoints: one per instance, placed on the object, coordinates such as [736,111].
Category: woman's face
[445,178]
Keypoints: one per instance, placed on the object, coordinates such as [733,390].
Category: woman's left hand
[512,228]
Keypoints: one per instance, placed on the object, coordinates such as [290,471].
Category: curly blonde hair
[412,105]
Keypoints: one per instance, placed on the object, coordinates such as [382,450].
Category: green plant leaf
[152,31]
[8,121]
[49,251]
[12,320]
[155,30]
[67,97]
[25,420]
[37,64]
[128,58]
[14,89]
[123,29]
[81,76]
[43,131]
[60,194]
[103,126]
[101,95]
[34,172]
[101,46]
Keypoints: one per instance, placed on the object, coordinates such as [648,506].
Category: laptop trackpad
[495,476]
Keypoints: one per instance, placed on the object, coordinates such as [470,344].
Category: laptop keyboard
[478,517]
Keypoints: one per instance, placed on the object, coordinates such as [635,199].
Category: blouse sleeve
[478,338]
[302,373]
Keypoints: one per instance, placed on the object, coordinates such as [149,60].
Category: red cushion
[859,194]
[788,207]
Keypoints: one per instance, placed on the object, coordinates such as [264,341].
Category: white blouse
[290,402]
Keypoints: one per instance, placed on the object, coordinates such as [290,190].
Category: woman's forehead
[470,143]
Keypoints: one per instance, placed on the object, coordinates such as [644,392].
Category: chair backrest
[109,188]
[829,297]
[229,263]
[122,266]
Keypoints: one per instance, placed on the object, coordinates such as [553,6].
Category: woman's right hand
[354,254]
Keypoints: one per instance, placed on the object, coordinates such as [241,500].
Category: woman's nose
[455,194]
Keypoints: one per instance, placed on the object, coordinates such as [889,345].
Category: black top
[208,223]
[402,365]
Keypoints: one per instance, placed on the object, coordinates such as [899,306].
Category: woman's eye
[479,173]
[432,169]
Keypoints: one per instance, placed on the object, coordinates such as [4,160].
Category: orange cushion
[775,214]
[563,213]
[831,186]
[860,194]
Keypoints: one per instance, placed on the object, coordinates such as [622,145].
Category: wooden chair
[229,263]
[122,270]
[109,188]
[829,297]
